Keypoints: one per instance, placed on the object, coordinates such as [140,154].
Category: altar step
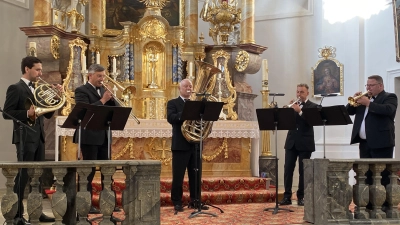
[223,190]
[214,190]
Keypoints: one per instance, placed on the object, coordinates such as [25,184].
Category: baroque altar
[148,47]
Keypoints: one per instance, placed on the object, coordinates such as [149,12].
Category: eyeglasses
[371,85]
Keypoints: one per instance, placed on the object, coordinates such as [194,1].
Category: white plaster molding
[273,9]
[20,3]
[389,83]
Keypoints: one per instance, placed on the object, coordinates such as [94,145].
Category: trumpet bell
[353,100]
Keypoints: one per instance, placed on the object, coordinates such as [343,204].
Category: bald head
[185,88]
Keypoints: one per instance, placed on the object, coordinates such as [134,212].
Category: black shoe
[300,202]
[20,221]
[178,208]
[46,219]
[94,210]
[192,205]
[285,201]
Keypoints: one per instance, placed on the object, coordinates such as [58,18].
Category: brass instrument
[47,99]
[353,100]
[298,102]
[191,129]
[126,92]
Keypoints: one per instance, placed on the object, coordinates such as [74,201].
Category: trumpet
[298,102]
[353,100]
[121,103]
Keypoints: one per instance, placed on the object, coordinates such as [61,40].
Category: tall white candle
[83,62]
[98,57]
[265,69]
[114,65]
[190,72]
[219,67]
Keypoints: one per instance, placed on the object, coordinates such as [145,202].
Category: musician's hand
[106,97]
[364,100]
[59,88]
[296,107]
[357,94]
[31,113]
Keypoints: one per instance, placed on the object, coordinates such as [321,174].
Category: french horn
[194,130]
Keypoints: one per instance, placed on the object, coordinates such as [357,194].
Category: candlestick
[83,63]
[265,69]
[114,64]
[190,72]
[32,45]
[98,57]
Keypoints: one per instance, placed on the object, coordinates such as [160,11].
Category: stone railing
[328,193]
[140,199]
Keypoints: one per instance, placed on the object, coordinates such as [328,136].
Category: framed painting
[133,10]
[396,15]
[21,3]
[327,77]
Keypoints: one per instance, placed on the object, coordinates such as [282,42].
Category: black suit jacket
[14,105]
[174,112]
[88,94]
[303,136]
[379,122]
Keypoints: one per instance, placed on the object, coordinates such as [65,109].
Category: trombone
[125,91]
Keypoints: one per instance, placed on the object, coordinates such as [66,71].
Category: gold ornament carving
[218,151]
[55,46]
[154,3]
[153,151]
[128,146]
[327,52]
[68,92]
[153,29]
[230,94]
[242,60]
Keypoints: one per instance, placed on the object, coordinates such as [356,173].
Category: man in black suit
[183,152]
[32,142]
[373,124]
[299,144]
[94,143]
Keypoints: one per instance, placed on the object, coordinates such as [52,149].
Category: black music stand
[327,116]
[276,119]
[203,111]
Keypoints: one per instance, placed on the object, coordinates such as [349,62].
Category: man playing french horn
[30,147]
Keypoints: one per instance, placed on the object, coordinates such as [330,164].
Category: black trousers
[291,156]
[182,160]
[367,152]
[31,152]
[94,152]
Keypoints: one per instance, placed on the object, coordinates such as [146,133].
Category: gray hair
[377,78]
[95,68]
[303,85]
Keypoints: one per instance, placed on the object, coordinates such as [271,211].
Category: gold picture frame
[327,77]
[133,10]
[396,15]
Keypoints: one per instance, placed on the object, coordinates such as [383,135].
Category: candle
[32,45]
[265,69]
[219,67]
[98,57]
[190,72]
[83,62]
[114,70]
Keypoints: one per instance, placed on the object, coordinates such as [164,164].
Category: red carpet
[243,214]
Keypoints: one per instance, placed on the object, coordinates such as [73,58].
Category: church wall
[13,42]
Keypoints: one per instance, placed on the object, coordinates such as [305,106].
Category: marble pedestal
[267,165]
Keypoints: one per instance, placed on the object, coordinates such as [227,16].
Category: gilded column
[95,18]
[247,23]
[191,21]
[42,13]
[265,138]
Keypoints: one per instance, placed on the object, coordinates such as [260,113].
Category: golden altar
[226,152]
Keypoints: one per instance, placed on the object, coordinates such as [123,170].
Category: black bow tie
[302,103]
[186,99]
[373,97]
[30,84]
[97,88]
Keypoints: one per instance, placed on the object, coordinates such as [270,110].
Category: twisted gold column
[191,21]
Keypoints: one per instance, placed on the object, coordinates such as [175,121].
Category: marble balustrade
[328,193]
[140,199]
